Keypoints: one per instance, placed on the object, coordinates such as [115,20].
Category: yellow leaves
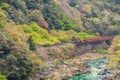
[114,61]
[114,45]
[15,36]
[70,46]
[118,52]
[107,13]
[2,14]
[96,20]
[5,6]
[35,60]
[2,77]
[86,8]
[62,35]
[56,2]
[115,50]
[40,35]
[70,34]
[16,33]
[118,43]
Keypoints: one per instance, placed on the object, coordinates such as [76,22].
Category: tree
[31,44]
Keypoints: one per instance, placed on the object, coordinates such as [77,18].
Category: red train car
[90,40]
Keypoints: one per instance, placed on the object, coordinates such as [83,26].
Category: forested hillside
[27,24]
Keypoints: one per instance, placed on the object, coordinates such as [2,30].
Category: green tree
[31,44]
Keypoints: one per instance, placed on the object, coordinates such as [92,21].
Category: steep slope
[114,50]
[26,25]
[71,12]
[100,16]
[23,27]
[92,14]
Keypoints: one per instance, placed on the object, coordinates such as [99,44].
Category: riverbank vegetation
[114,50]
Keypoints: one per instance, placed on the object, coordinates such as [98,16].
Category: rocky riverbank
[64,60]
[115,76]
[70,67]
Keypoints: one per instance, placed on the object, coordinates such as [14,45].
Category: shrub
[37,61]
[22,70]
[115,53]
[82,35]
[39,35]
[59,35]
[2,77]
[16,60]
[5,6]
[101,51]
[57,61]
[44,68]
[3,18]
[51,52]
[72,3]
[31,4]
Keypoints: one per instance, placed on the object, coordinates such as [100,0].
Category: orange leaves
[16,33]
[15,36]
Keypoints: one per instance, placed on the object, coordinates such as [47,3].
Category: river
[96,70]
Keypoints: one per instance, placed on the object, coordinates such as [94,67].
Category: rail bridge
[106,39]
[89,44]
[81,46]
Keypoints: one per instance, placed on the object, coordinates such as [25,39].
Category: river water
[96,70]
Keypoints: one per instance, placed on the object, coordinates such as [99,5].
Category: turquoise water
[95,67]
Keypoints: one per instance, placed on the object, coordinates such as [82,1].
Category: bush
[22,70]
[115,53]
[69,34]
[39,35]
[101,51]
[57,61]
[2,77]
[3,18]
[31,4]
[72,3]
[82,35]
[5,6]
[37,61]
[15,64]
[44,68]
[51,52]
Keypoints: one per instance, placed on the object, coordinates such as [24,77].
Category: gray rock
[99,67]
[118,72]
[103,72]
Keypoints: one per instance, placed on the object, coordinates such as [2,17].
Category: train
[91,40]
